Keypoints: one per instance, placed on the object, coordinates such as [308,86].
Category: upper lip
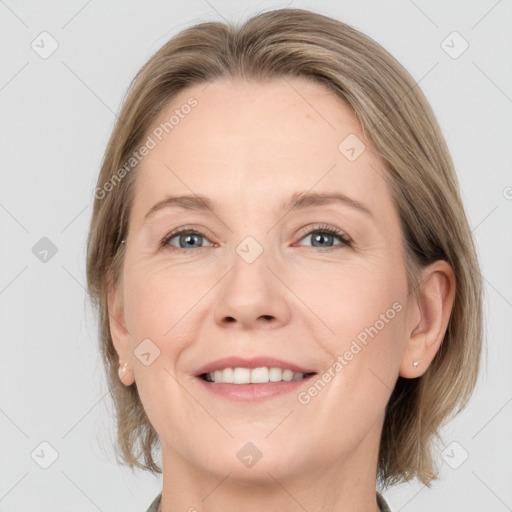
[252,362]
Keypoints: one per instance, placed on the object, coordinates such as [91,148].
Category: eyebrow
[301,200]
[298,201]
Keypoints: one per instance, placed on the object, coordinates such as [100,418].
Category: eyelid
[346,240]
[180,231]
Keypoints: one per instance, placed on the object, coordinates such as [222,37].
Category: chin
[250,463]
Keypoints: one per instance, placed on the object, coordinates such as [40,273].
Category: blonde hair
[398,120]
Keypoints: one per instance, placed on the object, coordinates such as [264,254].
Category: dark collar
[381,502]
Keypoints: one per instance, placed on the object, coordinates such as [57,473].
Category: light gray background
[56,116]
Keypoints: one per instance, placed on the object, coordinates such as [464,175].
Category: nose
[252,296]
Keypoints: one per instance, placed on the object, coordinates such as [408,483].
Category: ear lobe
[118,331]
[435,303]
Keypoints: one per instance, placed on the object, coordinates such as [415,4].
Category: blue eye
[326,234]
[186,236]
[191,239]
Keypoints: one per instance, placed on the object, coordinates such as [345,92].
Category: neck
[345,483]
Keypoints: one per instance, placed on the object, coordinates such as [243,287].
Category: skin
[249,147]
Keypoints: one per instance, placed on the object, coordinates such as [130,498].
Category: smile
[262,375]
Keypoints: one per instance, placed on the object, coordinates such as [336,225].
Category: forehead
[244,142]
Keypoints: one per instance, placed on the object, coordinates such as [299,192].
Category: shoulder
[156,503]
[381,502]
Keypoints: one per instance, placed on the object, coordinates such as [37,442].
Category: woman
[288,291]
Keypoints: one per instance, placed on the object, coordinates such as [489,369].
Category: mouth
[259,375]
[252,379]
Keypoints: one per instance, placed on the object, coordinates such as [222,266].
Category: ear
[428,325]
[119,333]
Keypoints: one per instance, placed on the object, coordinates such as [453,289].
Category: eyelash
[345,240]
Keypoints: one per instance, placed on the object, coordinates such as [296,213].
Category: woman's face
[258,278]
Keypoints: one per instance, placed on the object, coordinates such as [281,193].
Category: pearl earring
[415,363]
[122,369]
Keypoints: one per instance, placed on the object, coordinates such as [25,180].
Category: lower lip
[253,392]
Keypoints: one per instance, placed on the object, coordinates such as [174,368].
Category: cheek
[352,297]
[157,299]
[159,306]
[360,320]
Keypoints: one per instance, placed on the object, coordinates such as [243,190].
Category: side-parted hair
[397,118]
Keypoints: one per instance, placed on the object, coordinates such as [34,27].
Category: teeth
[255,376]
